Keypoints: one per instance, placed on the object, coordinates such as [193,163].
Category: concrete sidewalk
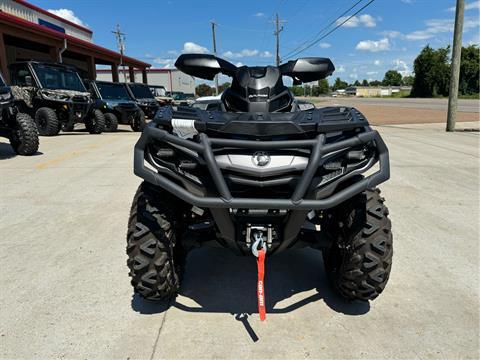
[66,293]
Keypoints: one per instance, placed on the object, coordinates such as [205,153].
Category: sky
[388,34]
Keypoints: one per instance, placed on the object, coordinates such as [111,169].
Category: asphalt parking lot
[66,294]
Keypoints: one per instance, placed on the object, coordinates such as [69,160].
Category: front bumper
[298,200]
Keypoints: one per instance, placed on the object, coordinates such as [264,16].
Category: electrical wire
[331,31]
[288,55]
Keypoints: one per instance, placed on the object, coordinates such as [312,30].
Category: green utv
[55,96]
[17,127]
[116,104]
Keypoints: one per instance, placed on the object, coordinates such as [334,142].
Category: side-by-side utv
[17,127]
[54,95]
[116,104]
[144,98]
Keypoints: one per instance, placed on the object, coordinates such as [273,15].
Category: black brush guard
[297,202]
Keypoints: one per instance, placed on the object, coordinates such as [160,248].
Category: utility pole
[456,59]
[121,48]
[214,52]
[278,30]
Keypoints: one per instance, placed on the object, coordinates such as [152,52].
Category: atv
[55,96]
[114,101]
[260,176]
[19,128]
[142,94]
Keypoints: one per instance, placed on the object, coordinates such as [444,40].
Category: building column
[131,73]
[3,59]
[91,68]
[144,76]
[115,73]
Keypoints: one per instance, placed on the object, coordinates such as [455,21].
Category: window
[60,78]
[19,75]
[113,91]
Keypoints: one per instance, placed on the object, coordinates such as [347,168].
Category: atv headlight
[52,95]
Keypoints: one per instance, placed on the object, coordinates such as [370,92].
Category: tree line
[430,78]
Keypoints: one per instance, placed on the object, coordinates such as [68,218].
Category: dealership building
[28,32]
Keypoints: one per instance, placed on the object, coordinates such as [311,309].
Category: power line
[331,31]
[324,28]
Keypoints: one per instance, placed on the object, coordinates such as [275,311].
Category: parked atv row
[57,99]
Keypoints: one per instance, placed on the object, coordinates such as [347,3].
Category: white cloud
[374,46]
[356,21]
[370,73]
[172,52]
[377,63]
[470,6]
[239,64]
[266,54]
[341,69]
[392,34]
[67,14]
[244,53]
[192,48]
[402,67]
[164,63]
[324,45]
[259,14]
[439,26]
[353,76]
[407,1]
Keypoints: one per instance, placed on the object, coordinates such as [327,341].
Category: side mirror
[204,66]
[307,69]
[28,80]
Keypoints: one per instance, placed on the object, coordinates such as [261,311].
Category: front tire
[24,139]
[138,122]
[47,122]
[154,257]
[111,122]
[359,262]
[96,124]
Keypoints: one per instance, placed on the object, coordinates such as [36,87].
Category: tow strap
[260,285]
[259,250]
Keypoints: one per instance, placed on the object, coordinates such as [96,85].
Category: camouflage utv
[55,96]
[17,127]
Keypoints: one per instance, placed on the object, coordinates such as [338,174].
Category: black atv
[142,94]
[260,176]
[114,101]
[17,127]
[55,96]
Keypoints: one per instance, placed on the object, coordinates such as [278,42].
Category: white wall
[21,11]
[180,81]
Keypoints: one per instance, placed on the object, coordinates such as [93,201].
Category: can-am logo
[261,158]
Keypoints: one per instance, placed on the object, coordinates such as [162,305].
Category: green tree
[222,87]
[296,90]
[376,83]
[432,72]
[469,71]
[339,84]
[392,78]
[357,83]
[323,87]
[365,82]
[408,80]
[204,90]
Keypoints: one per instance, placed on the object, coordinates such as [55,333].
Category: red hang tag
[261,284]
